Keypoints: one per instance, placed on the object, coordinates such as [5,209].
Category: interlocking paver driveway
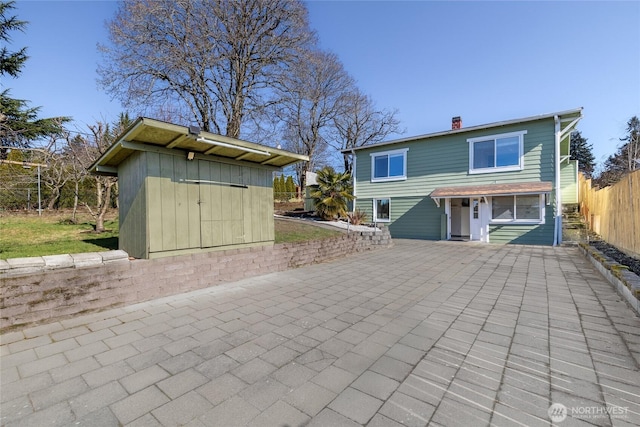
[424,333]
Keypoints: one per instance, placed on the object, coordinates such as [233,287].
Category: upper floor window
[389,165]
[496,153]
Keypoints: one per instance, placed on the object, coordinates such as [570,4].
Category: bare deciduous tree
[56,175]
[311,99]
[216,59]
[77,155]
[85,151]
[361,123]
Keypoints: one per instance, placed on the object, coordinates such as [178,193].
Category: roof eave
[279,158]
[503,189]
[114,148]
[574,111]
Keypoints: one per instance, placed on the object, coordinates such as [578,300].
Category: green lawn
[26,236]
[53,234]
[290,231]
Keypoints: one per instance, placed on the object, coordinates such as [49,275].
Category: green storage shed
[182,190]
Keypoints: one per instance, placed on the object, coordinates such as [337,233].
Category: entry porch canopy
[485,190]
[152,135]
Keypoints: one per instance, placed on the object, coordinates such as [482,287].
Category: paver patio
[424,333]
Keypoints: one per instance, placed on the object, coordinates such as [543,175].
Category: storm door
[475,219]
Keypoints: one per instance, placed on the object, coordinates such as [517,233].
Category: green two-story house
[500,182]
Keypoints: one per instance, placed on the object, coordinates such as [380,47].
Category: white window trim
[375,210]
[518,167]
[389,153]
[541,204]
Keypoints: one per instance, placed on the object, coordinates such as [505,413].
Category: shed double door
[221,191]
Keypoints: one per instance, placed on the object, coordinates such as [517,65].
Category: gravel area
[620,257]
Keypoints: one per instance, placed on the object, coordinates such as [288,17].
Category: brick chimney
[456,122]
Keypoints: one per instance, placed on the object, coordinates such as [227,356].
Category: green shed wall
[444,161]
[170,205]
[132,201]
[172,215]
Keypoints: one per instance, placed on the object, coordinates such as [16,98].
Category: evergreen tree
[276,186]
[290,186]
[582,151]
[626,159]
[631,149]
[283,187]
[10,62]
[19,124]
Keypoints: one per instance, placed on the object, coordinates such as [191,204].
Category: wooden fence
[613,212]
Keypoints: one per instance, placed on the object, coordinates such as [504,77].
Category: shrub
[357,217]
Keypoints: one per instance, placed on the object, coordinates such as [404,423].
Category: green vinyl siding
[569,182]
[410,211]
[522,234]
[443,161]
[411,217]
[525,234]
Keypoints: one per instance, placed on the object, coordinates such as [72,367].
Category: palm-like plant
[333,193]
[357,217]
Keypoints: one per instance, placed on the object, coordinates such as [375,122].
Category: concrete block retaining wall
[43,289]
[626,283]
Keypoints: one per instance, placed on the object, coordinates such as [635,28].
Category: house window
[496,153]
[382,210]
[389,166]
[523,208]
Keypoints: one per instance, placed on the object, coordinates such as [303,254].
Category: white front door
[475,220]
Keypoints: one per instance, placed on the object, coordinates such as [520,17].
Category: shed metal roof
[147,134]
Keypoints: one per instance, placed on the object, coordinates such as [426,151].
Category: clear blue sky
[484,61]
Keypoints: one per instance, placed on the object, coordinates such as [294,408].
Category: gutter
[353,175]
[560,135]
[557,232]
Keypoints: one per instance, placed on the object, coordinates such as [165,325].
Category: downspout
[353,176]
[557,231]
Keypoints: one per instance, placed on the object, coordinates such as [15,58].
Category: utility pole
[39,195]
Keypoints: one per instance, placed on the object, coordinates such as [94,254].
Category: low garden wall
[626,283]
[44,289]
